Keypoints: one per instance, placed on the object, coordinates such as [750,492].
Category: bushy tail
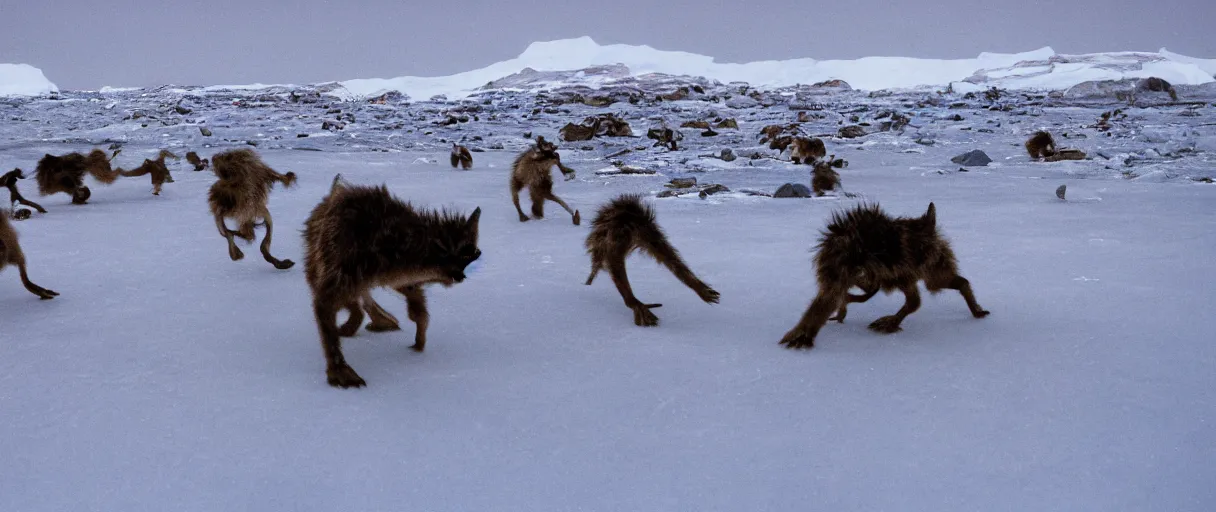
[98,166]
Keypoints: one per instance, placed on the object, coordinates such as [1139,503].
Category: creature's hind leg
[415,300]
[595,270]
[19,199]
[18,259]
[234,252]
[516,186]
[538,201]
[574,215]
[279,264]
[889,324]
[956,282]
[844,305]
[353,322]
[381,320]
[641,312]
[338,372]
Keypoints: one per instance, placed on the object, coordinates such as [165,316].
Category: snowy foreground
[167,377]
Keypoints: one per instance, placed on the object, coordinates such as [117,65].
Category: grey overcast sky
[88,44]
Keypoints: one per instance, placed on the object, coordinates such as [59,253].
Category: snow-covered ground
[168,377]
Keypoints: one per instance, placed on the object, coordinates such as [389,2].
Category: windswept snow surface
[166,377]
[870,73]
[23,80]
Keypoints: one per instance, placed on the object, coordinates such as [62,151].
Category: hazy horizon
[256,41]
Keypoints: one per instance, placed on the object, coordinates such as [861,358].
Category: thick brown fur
[157,168]
[866,248]
[807,150]
[1040,145]
[10,254]
[533,169]
[622,226]
[198,163]
[461,157]
[1066,154]
[9,181]
[359,238]
[824,178]
[241,193]
[65,173]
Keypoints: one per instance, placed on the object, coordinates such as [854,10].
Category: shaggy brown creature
[10,254]
[533,169]
[9,181]
[65,173]
[622,226]
[359,238]
[824,178]
[241,194]
[1040,145]
[461,157]
[198,163]
[865,247]
[157,168]
[807,150]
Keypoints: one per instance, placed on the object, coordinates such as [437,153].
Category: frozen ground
[168,377]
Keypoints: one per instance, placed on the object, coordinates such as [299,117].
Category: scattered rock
[925,142]
[712,189]
[727,155]
[330,124]
[1060,191]
[709,133]
[301,135]
[182,110]
[203,130]
[729,123]
[700,125]
[682,182]
[792,190]
[852,132]
[973,158]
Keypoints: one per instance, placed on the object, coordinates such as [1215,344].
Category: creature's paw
[643,317]
[343,376]
[887,324]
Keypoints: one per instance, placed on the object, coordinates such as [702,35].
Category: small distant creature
[10,254]
[824,178]
[622,226]
[807,150]
[198,163]
[157,168]
[65,173]
[461,157]
[1040,145]
[241,193]
[359,238]
[9,181]
[865,247]
[533,169]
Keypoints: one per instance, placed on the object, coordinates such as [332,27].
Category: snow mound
[24,80]
[549,63]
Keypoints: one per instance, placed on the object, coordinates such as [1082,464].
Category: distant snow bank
[24,80]
[1038,69]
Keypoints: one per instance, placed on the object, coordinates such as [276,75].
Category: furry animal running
[1040,145]
[198,163]
[823,177]
[9,181]
[807,150]
[10,254]
[532,169]
[241,193]
[461,157]
[622,226]
[359,238]
[65,173]
[157,168]
[865,247]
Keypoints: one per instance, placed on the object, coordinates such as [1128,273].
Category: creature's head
[546,149]
[457,247]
